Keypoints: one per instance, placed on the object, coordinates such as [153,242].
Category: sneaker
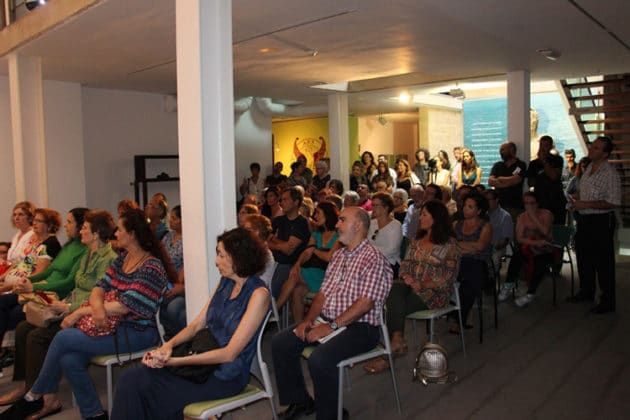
[524,300]
[507,289]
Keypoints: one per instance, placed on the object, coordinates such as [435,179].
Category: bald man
[357,281]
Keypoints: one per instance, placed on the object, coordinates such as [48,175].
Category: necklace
[132,267]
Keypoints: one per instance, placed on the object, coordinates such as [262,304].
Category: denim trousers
[287,349]
[70,353]
[173,315]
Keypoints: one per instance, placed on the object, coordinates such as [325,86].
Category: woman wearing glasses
[385,232]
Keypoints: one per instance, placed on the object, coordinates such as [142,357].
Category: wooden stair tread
[607,82]
[608,131]
[610,120]
[599,109]
[600,96]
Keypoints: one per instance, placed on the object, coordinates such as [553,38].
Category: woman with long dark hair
[233,316]
[305,277]
[428,272]
[470,173]
[138,278]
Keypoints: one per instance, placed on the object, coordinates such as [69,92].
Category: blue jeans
[287,348]
[71,351]
[279,277]
[173,315]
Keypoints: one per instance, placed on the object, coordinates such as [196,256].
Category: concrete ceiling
[378,46]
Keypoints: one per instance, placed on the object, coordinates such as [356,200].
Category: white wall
[7,186]
[63,135]
[116,126]
[252,133]
[375,137]
[63,122]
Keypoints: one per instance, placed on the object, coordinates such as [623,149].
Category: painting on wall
[308,138]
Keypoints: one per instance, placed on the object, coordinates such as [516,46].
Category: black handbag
[202,342]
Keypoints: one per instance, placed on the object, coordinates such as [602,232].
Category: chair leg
[480,306]
[273,409]
[394,384]
[109,389]
[572,274]
[431,325]
[461,331]
[415,333]
[496,308]
[340,396]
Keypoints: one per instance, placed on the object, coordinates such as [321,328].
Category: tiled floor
[543,362]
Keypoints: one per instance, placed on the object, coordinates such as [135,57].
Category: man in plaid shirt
[600,194]
[357,281]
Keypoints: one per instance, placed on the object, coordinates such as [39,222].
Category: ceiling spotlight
[382,120]
[31,4]
[313,53]
[404,97]
[549,53]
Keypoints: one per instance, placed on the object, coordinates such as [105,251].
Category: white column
[27,123]
[338,136]
[518,112]
[205,105]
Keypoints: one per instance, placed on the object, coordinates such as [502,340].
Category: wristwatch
[334,325]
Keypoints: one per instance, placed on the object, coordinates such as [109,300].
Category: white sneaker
[506,291]
[524,300]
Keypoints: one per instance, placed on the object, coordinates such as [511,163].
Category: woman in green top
[31,343]
[59,276]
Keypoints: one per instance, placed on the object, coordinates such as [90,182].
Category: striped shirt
[139,291]
[604,184]
[361,273]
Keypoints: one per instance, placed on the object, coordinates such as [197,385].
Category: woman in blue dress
[307,274]
[233,315]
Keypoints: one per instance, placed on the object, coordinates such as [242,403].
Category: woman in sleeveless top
[534,250]
[233,315]
[474,236]
[308,271]
[405,178]
[471,171]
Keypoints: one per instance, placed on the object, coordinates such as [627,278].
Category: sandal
[376,366]
[45,412]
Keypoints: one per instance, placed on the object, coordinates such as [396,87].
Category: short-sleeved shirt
[352,274]
[510,197]
[604,184]
[549,192]
[139,290]
[283,228]
[174,249]
[320,184]
[502,225]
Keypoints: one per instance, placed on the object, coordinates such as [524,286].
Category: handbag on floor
[202,342]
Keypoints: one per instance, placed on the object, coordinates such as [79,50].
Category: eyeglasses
[375,233]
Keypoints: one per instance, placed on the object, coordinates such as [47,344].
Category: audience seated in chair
[233,315]
[357,280]
[426,275]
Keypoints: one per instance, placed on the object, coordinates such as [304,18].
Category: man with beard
[507,176]
[356,283]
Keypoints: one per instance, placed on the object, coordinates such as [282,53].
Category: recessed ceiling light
[549,53]
[404,97]
[265,50]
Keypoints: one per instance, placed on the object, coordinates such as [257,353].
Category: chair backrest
[259,368]
[455,295]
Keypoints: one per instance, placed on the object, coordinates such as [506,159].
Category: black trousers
[595,251]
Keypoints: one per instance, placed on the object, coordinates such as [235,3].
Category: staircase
[600,106]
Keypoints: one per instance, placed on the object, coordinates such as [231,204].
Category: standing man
[507,177]
[290,236]
[599,195]
[276,178]
[544,174]
[357,281]
[412,219]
